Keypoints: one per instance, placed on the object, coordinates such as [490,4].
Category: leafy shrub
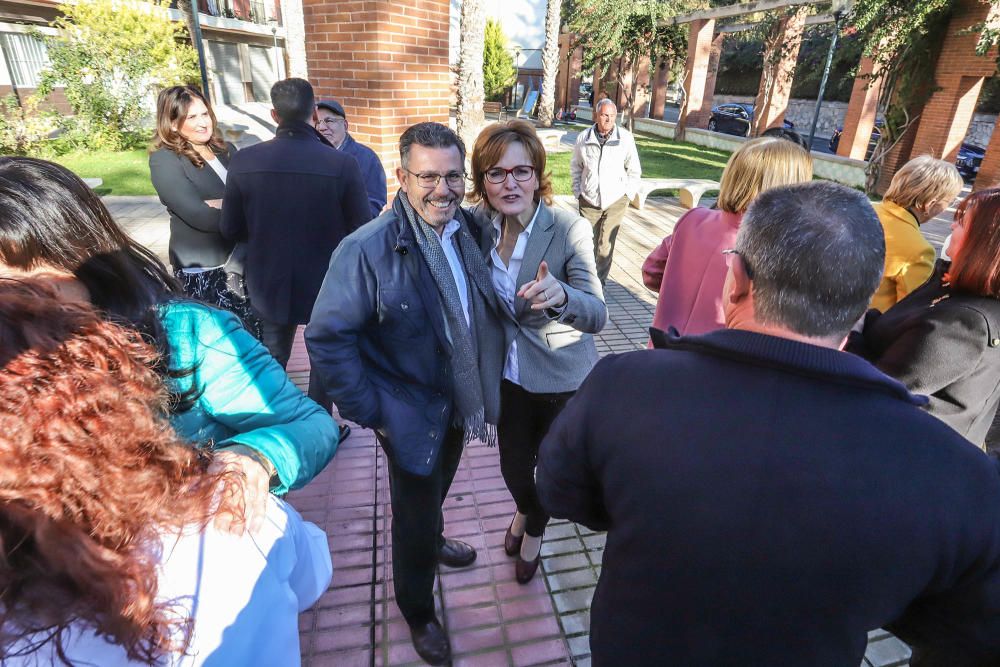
[111,56]
[24,130]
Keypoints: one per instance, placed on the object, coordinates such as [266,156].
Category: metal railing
[255,11]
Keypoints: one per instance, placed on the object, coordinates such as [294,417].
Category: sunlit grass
[124,173]
[660,158]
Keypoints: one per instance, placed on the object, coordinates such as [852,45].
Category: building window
[27,57]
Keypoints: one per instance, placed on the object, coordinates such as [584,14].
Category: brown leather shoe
[511,544]
[524,570]
[431,643]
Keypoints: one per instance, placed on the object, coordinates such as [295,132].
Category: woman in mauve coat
[687,268]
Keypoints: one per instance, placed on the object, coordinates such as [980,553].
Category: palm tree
[550,63]
[185,7]
[469,116]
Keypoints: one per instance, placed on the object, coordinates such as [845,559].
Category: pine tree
[498,66]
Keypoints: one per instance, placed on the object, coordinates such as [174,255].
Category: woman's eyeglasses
[521,173]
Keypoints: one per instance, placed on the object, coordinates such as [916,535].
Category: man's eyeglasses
[746,264]
[330,121]
[452,179]
[521,173]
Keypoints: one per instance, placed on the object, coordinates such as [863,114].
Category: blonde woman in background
[688,268]
[923,188]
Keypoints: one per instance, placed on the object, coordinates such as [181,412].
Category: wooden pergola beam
[738,10]
[818,19]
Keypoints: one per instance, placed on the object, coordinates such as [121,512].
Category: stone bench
[551,137]
[233,132]
[690,189]
[93,183]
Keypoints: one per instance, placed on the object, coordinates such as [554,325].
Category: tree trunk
[550,64]
[469,117]
[628,91]
[633,90]
[186,8]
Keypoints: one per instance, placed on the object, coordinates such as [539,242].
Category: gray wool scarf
[476,365]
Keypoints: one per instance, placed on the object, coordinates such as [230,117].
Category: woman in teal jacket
[226,389]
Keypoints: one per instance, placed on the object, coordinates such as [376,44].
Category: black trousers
[418,527]
[525,418]
[278,339]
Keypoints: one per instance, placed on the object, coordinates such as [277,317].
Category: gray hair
[602,102]
[429,135]
[815,252]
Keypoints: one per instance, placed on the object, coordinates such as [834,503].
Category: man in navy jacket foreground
[768,498]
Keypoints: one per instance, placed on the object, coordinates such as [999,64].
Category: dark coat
[769,502]
[945,344]
[292,199]
[377,340]
[183,188]
[371,171]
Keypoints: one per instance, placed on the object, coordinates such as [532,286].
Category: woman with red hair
[943,339]
[109,551]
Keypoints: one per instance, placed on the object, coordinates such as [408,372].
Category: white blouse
[243,593]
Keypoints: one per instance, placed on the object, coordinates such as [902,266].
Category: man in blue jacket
[768,498]
[292,200]
[414,350]
[331,122]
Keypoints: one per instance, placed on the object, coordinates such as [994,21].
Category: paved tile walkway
[492,620]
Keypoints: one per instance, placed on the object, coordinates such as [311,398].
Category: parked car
[968,160]
[735,119]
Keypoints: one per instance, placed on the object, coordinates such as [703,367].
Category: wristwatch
[265,462]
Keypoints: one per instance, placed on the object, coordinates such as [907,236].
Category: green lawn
[660,158]
[125,173]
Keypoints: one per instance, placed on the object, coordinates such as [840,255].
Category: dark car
[969,158]
[735,119]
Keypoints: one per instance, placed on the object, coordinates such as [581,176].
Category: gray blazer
[555,352]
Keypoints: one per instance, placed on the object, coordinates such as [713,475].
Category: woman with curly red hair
[109,550]
[229,389]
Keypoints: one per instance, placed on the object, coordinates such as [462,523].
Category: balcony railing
[254,11]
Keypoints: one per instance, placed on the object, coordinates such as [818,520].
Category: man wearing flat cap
[331,121]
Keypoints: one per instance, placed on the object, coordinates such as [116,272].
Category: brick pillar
[959,73]
[609,82]
[947,117]
[897,157]
[385,61]
[560,88]
[713,70]
[989,170]
[598,83]
[569,64]
[641,75]
[659,91]
[860,117]
[695,112]
[779,70]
